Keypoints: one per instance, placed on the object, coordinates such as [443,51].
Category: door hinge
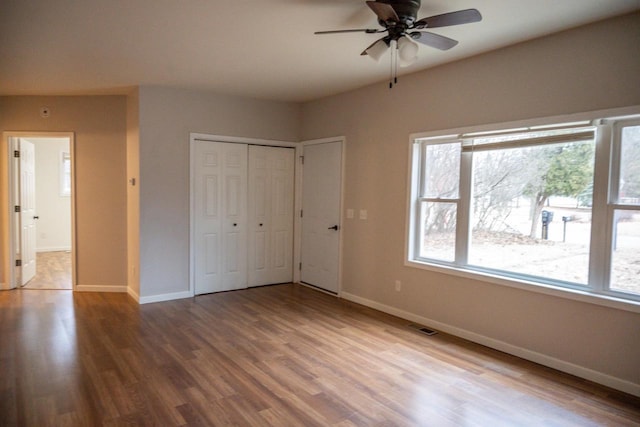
[300,266]
[16,153]
[16,208]
[302,159]
[300,213]
[18,263]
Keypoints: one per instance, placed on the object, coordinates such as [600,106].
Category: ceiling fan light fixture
[376,51]
[407,51]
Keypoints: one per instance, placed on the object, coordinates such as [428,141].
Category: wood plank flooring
[53,271]
[280,355]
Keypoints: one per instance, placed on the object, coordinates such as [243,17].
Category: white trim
[543,359]
[315,288]
[193,136]
[11,275]
[101,288]
[54,249]
[297,207]
[133,294]
[164,297]
[6,139]
[540,121]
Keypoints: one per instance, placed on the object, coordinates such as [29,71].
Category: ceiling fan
[398,18]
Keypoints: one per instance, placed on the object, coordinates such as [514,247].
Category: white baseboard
[540,358]
[133,294]
[164,297]
[54,249]
[94,288]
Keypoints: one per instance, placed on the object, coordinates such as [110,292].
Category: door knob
[335,227]
[235,224]
[36,217]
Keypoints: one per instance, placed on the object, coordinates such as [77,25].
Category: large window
[520,204]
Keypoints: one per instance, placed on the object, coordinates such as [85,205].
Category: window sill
[530,286]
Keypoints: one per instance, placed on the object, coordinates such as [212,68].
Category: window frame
[613,203]
[608,124]
[423,199]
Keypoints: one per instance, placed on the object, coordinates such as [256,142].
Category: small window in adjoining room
[529,206]
[65,174]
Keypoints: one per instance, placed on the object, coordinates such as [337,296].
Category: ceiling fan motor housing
[407,10]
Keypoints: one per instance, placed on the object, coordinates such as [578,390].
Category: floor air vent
[423,329]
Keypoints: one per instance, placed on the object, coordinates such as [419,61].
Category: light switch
[350,213]
[363,214]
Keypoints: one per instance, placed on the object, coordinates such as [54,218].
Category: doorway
[40,184]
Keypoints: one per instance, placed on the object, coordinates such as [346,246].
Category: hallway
[53,271]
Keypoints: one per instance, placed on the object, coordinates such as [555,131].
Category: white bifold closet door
[243,219]
[270,257]
[220,220]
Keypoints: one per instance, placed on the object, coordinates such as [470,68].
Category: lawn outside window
[555,206]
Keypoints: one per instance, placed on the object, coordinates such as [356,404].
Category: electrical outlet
[350,213]
[398,285]
[363,214]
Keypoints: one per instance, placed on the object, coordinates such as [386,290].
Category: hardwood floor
[53,271]
[281,355]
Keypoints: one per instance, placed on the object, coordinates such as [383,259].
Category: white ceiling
[257,48]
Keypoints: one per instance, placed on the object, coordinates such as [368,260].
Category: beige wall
[100,138]
[167,116]
[586,69]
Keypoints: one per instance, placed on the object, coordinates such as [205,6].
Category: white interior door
[321,196]
[271,174]
[27,211]
[220,217]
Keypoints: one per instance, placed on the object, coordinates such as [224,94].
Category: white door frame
[193,137]
[298,231]
[13,195]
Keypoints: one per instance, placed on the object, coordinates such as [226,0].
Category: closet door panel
[220,194]
[271,172]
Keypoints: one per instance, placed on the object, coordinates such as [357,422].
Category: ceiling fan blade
[466,16]
[433,40]
[361,30]
[364,52]
[384,11]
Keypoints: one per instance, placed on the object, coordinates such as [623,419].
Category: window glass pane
[438,234]
[625,254]
[531,210]
[65,174]
[629,185]
[441,170]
